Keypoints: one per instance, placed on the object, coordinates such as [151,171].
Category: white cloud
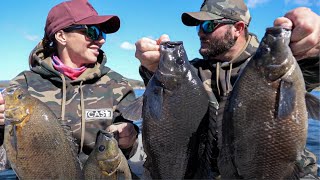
[127,46]
[303,2]
[254,3]
[299,2]
[32,37]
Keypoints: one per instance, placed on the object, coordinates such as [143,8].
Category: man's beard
[218,46]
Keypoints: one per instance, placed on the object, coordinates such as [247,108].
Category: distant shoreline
[4,83]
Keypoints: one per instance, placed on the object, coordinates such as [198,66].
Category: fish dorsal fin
[133,111]
[313,106]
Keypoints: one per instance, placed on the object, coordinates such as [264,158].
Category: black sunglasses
[92,31]
[210,25]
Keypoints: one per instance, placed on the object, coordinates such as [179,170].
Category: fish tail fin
[313,106]
[133,111]
[72,142]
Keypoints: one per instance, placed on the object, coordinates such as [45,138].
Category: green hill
[136,84]
[4,83]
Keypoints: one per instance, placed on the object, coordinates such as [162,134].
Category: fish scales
[174,104]
[36,144]
[106,161]
[265,125]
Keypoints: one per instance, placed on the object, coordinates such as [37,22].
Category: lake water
[313,140]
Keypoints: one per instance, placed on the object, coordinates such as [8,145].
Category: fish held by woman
[106,161]
[37,146]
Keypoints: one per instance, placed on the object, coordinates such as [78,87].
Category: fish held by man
[174,103]
[106,161]
[265,126]
[36,145]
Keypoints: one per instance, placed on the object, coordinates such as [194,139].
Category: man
[68,73]
[227,46]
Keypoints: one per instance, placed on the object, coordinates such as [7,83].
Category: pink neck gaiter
[72,73]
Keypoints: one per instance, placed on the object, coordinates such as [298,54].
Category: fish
[173,106]
[36,145]
[106,161]
[265,123]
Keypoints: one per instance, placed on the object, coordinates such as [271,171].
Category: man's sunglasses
[92,31]
[210,25]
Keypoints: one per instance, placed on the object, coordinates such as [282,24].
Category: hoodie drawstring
[229,86]
[63,108]
[83,121]
[218,76]
[64,97]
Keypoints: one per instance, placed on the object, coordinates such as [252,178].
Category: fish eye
[179,61]
[102,148]
[20,96]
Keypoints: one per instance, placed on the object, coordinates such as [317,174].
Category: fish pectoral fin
[156,103]
[313,106]
[133,111]
[13,137]
[287,95]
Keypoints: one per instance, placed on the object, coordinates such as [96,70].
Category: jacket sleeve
[310,70]
[145,74]
[308,165]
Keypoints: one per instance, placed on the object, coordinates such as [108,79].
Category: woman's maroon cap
[78,12]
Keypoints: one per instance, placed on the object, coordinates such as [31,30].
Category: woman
[67,72]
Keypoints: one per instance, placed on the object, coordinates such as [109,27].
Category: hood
[40,62]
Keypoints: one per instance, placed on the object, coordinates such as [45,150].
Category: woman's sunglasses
[91,31]
[210,25]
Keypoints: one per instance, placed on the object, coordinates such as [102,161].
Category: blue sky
[22,24]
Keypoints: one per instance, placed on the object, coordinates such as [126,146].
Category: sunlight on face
[80,49]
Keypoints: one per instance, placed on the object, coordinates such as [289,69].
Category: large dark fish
[37,146]
[265,126]
[174,103]
[106,161]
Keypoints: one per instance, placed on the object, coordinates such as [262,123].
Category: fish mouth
[10,90]
[105,162]
[9,115]
[107,166]
[171,44]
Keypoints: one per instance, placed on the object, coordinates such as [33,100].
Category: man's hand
[305,25]
[127,134]
[147,51]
